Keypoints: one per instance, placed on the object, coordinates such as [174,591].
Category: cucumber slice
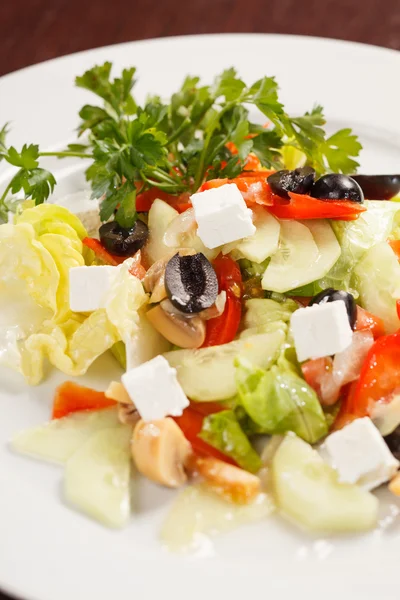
[264,242]
[58,440]
[97,476]
[261,312]
[160,216]
[378,282]
[306,253]
[307,490]
[146,344]
[208,374]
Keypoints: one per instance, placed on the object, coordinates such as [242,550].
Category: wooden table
[37,30]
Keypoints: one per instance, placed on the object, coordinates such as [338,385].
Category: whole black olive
[191,282]
[121,241]
[299,181]
[378,187]
[393,441]
[337,187]
[331,295]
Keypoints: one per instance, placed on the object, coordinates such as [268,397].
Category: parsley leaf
[340,150]
[37,184]
[27,158]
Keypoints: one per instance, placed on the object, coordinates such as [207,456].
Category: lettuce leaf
[223,431]
[278,401]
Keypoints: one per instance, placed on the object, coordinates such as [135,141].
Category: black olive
[378,187]
[331,295]
[191,282]
[299,181]
[393,441]
[337,187]
[121,241]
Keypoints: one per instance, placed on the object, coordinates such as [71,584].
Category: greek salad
[247,281]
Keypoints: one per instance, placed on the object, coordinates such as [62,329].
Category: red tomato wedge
[71,397]
[301,206]
[380,375]
[366,320]
[223,329]
[191,423]
[146,199]
[101,253]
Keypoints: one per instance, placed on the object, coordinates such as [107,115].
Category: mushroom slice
[154,280]
[161,451]
[128,414]
[228,481]
[117,392]
[183,331]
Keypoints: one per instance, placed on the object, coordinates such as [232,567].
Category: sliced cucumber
[261,312]
[146,344]
[160,216]
[209,373]
[58,440]
[97,476]
[378,283]
[264,242]
[307,251]
[307,490]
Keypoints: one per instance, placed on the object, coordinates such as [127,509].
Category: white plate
[49,552]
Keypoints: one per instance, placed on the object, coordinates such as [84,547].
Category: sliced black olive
[393,441]
[299,181]
[331,295]
[378,187]
[121,241]
[337,187]
[191,282]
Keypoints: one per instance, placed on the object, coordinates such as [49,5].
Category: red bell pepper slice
[254,187]
[223,329]
[145,200]
[380,375]
[101,253]
[366,320]
[191,423]
[301,206]
[71,397]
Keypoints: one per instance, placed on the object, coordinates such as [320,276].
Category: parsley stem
[4,195]
[66,154]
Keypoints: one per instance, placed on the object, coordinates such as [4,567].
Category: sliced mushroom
[128,414]
[176,328]
[228,481]
[117,392]
[154,280]
[161,451]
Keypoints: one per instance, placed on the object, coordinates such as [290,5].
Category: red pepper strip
[395,246]
[301,206]
[398,308]
[207,408]
[254,189]
[380,375]
[71,397]
[345,414]
[223,329]
[366,320]
[101,253]
[146,199]
[191,423]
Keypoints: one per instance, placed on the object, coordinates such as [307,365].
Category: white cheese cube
[88,287]
[360,454]
[222,216]
[321,330]
[154,389]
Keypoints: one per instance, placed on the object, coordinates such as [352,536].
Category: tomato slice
[101,253]
[146,199]
[223,329]
[191,423]
[71,397]
[366,320]
[380,375]
[301,206]
[315,370]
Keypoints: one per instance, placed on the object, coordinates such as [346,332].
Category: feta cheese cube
[88,287]
[154,389]
[321,330]
[222,216]
[360,454]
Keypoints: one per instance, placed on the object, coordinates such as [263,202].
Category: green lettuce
[278,400]
[223,431]
[36,323]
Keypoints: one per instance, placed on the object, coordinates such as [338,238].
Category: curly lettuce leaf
[223,431]
[279,401]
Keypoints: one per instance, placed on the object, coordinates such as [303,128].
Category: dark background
[35,30]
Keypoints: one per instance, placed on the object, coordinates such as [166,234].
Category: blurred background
[37,30]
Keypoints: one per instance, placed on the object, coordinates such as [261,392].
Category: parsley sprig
[175,146]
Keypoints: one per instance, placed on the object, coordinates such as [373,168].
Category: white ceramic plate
[49,552]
